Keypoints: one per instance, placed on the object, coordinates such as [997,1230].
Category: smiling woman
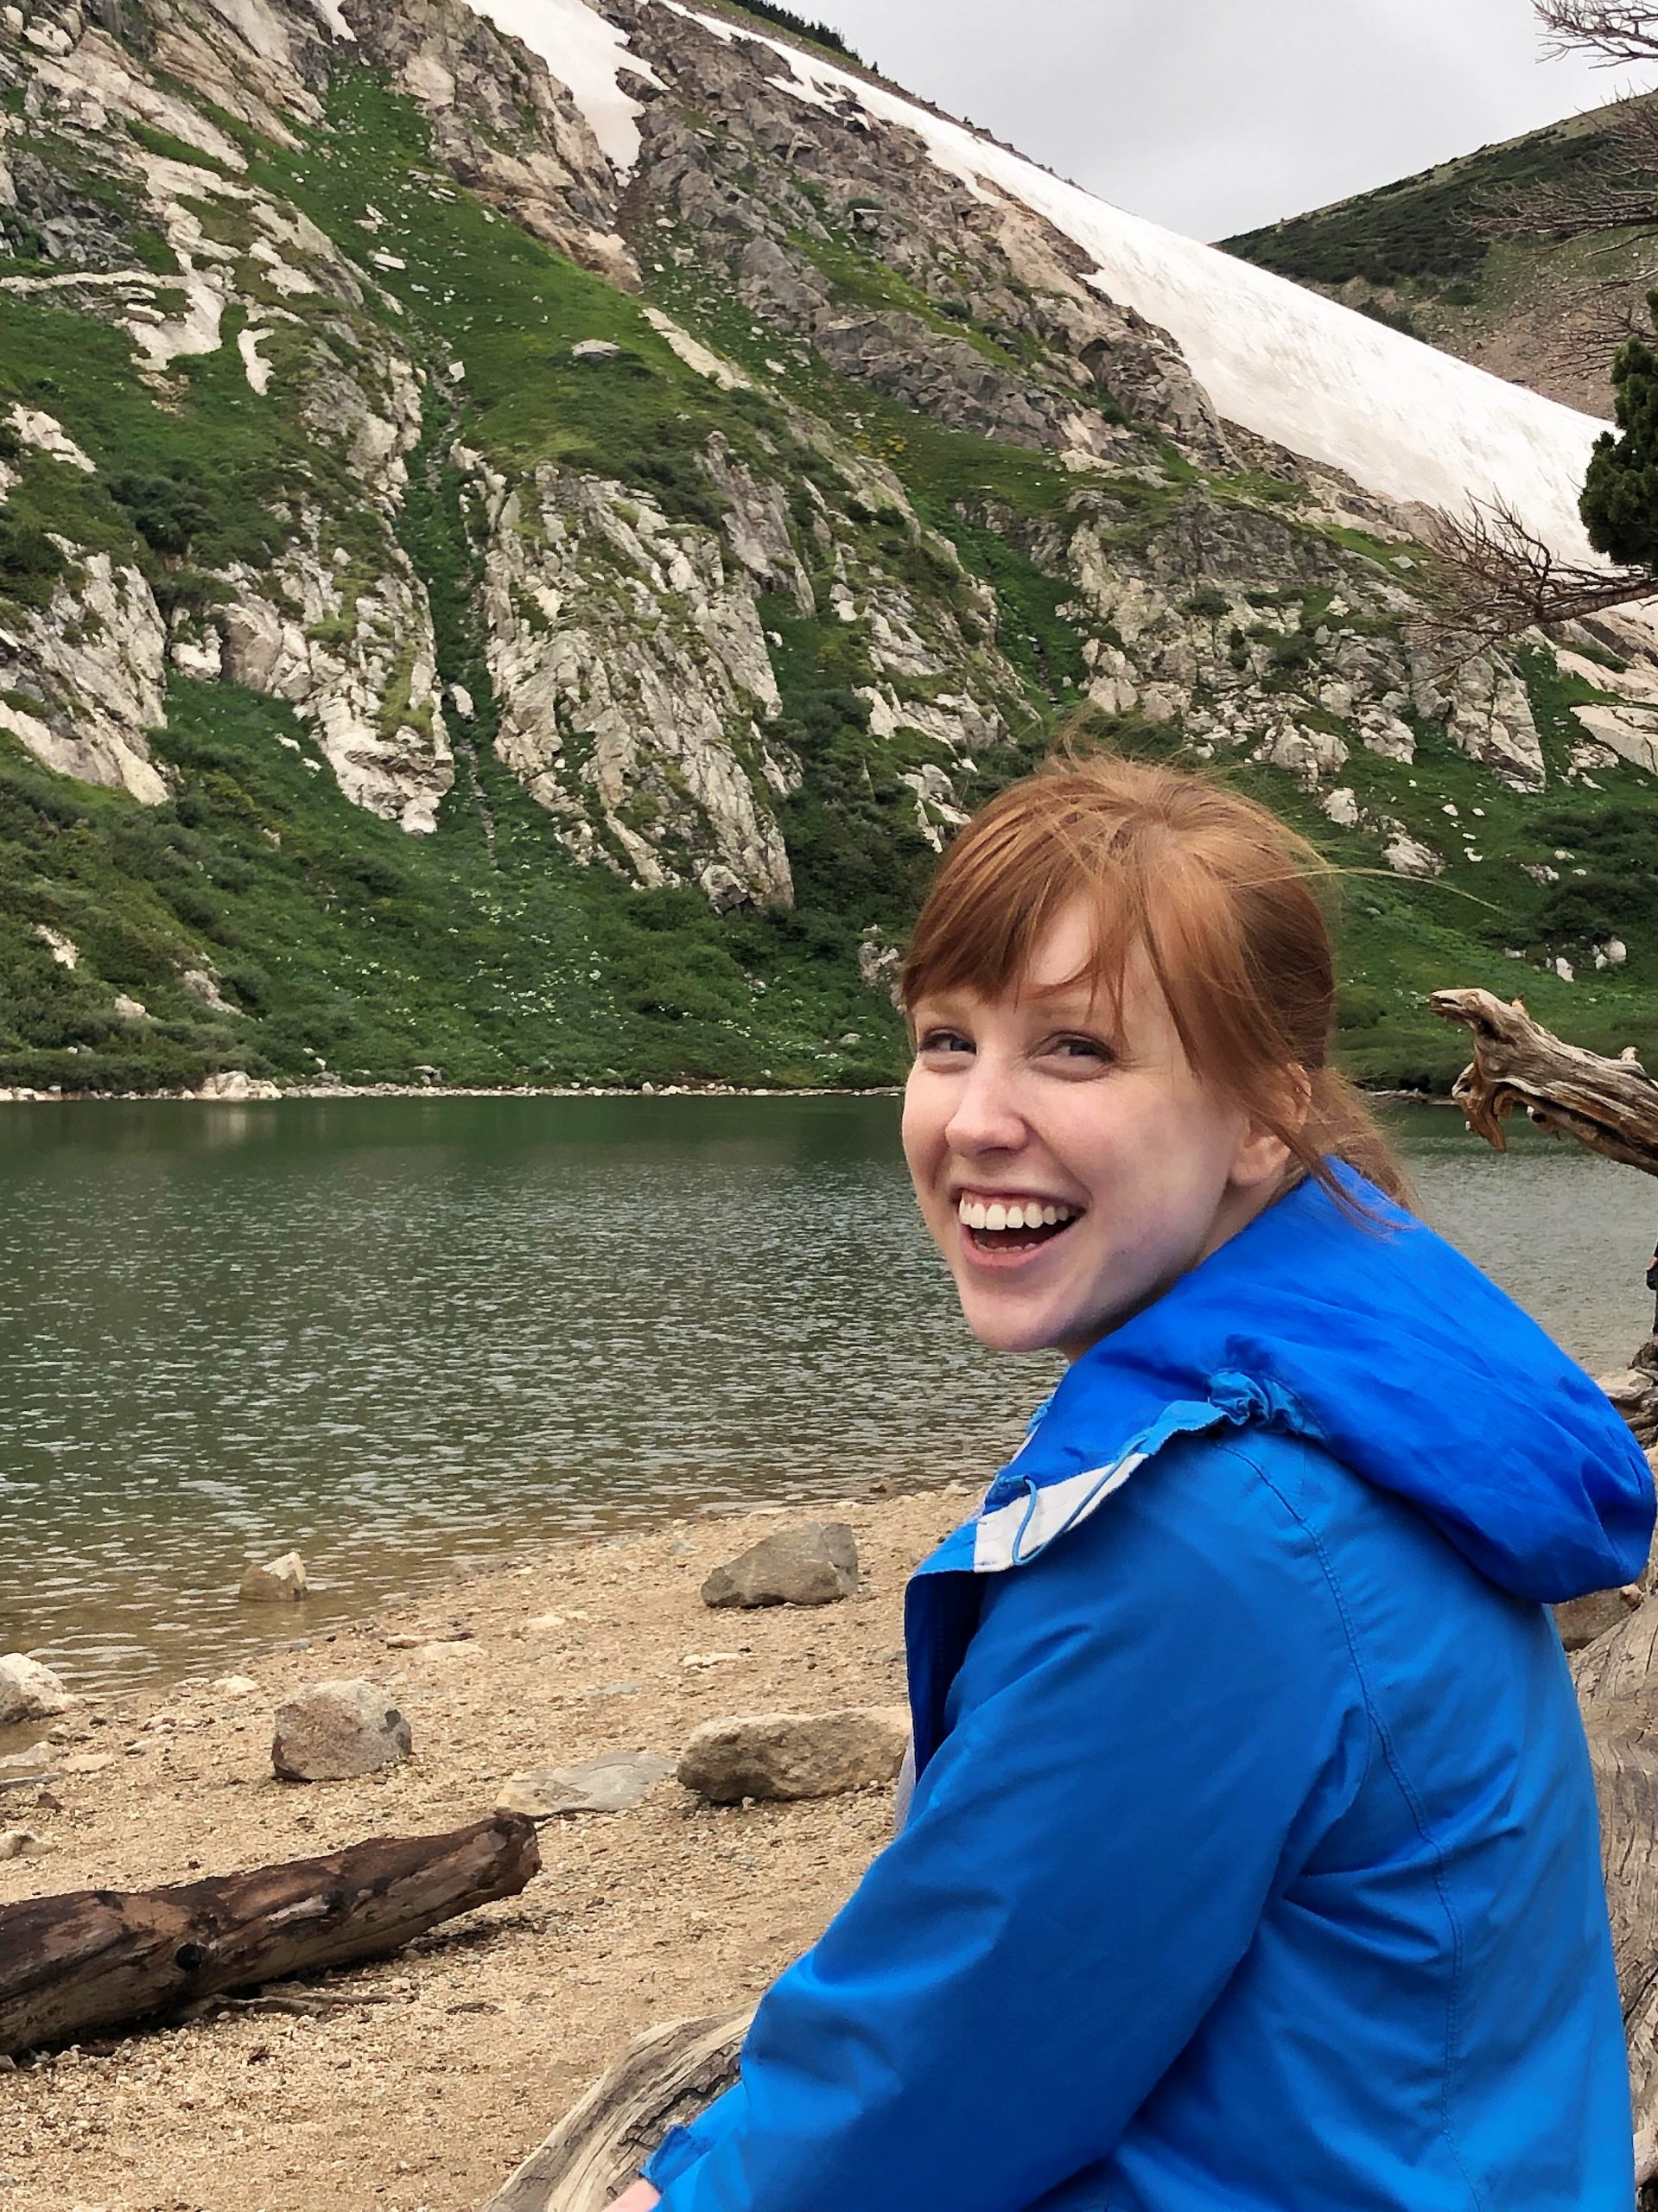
[1122,990]
[1252,1857]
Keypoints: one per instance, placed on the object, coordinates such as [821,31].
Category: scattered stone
[280,1582]
[787,1755]
[28,1763]
[710,1658]
[338,1731]
[544,1623]
[235,1686]
[594,349]
[87,1762]
[1581,1620]
[128,1009]
[615,1784]
[29,1691]
[22,1843]
[814,1565]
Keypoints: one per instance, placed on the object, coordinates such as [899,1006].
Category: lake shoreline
[457,2055]
[279,1095]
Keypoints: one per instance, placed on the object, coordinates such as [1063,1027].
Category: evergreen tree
[1620,499]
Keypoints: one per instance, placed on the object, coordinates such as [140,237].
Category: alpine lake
[411,1336]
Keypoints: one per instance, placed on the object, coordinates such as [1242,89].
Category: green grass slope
[330,939]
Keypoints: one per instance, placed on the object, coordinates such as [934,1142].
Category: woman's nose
[988,1115]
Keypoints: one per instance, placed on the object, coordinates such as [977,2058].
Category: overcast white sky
[1216,116]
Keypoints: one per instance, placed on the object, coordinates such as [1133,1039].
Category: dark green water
[408,1335]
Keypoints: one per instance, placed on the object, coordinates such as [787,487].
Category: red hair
[1228,904]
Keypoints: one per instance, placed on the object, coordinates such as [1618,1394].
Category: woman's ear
[1263,1153]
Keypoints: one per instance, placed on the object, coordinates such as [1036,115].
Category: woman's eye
[945,1040]
[1082,1048]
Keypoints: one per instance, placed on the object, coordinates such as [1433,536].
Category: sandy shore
[454,2058]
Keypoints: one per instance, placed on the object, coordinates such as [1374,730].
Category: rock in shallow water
[785,1755]
[814,1565]
[338,1731]
[29,1691]
[607,1785]
[279,1582]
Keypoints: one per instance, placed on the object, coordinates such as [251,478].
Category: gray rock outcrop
[791,1755]
[337,1732]
[814,1565]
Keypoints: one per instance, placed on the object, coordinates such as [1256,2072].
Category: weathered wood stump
[96,1958]
[669,2076]
[1617,1690]
[1611,1106]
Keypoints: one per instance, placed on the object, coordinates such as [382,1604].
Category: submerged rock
[279,1582]
[337,1732]
[787,1755]
[814,1565]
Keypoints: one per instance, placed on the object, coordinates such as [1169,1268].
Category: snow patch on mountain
[1403,419]
[585,53]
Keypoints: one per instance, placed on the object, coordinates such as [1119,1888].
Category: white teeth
[974,1213]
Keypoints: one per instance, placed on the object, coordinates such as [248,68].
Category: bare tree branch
[1616,190]
[1494,580]
[1586,328]
[1613,29]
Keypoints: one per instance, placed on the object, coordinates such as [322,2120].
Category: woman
[1252,1859]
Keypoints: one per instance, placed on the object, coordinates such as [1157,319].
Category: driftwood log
[1617,1690]
[668,2077]
[1612,1106]
[98,1958]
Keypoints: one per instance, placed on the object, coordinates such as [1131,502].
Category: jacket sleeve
[1148,1729]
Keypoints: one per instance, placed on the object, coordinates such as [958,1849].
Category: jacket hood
[1375,1339]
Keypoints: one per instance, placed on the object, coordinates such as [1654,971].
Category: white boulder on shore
[29,1691]
[790,1755]
[235,1086]
[337,1732]
[279,1582]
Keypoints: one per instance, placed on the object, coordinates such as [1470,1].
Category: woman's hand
[639,2198]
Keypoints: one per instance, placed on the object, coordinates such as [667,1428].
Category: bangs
[1216,892]
[1029,860]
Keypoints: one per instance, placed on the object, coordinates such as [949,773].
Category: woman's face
[1070,1166]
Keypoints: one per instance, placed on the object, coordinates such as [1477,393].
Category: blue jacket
[1253,1859]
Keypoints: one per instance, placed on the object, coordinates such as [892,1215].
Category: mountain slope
[523,528]
[1413,254]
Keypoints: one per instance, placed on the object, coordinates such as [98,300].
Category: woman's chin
[1003,1325]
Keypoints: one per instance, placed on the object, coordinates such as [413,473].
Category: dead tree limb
[1611,1106]
[668,2077]
[1616,189]
[99,1957]
[1494,578]
[1615,30]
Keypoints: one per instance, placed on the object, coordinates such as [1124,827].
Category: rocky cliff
[523,528]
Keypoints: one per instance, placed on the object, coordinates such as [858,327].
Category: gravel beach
[431,2075]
